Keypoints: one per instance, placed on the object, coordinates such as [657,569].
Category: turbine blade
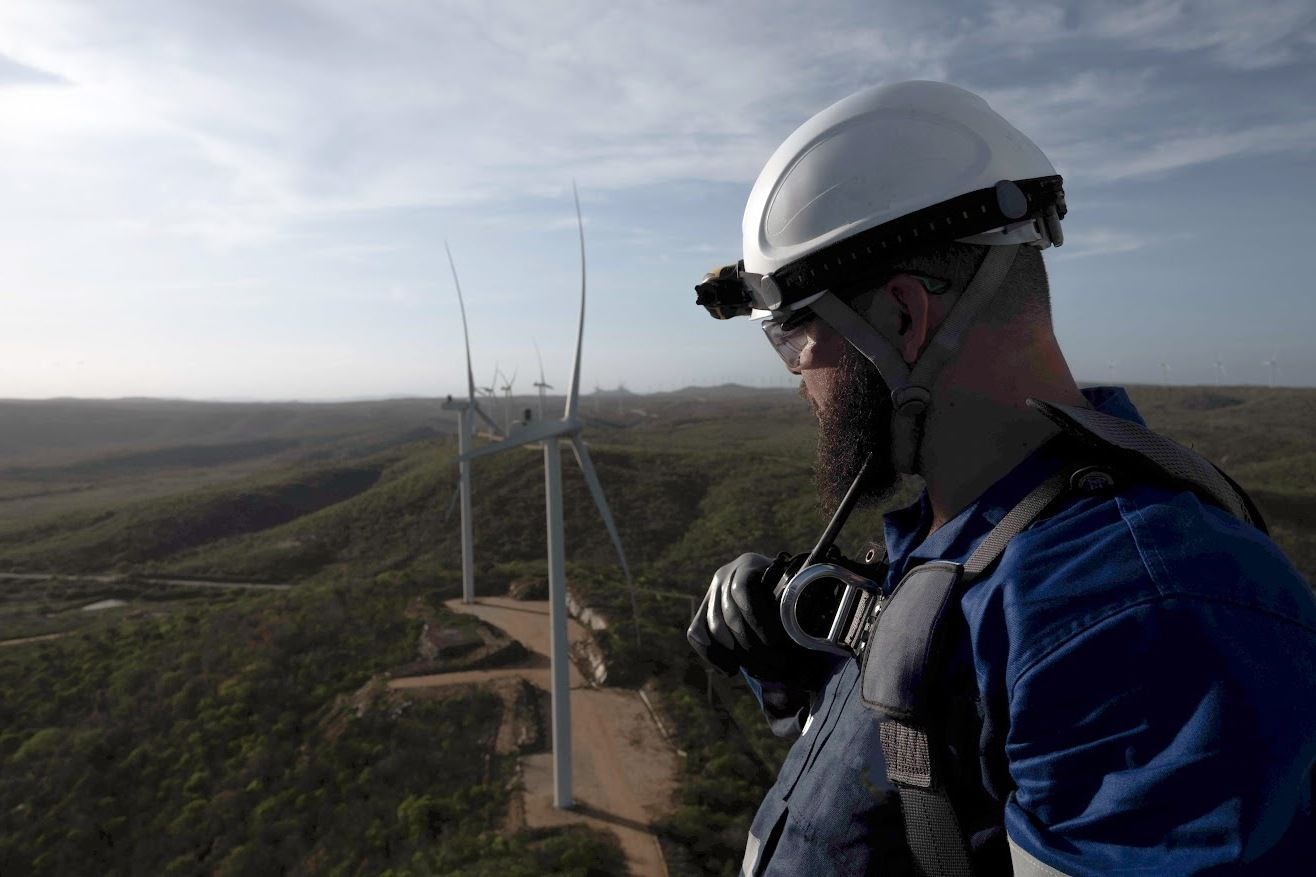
[456,495]
[536,432]
[596,489]
[487,419]
[466,336]
[541,361]
[580,328]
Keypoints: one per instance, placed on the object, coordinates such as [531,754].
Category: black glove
[739,623]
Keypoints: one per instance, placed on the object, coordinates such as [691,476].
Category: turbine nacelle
[531,434]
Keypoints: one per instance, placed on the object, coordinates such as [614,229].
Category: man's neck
[974,435]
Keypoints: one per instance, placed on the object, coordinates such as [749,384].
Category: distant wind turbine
[1273,363]
[1220,371]
[541,385]
[550,433]
[507,402]
[1165,372]
[1110,369]
[492,389]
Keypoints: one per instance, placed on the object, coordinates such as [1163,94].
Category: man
[1083,655]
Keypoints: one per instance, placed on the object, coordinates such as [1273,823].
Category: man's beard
[855,423]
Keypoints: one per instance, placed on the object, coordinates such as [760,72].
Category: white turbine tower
[1165,372]
[541,385]
[1220,370]
[1110,370]
[550,432]
[467,410]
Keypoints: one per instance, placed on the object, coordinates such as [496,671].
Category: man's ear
[902,311]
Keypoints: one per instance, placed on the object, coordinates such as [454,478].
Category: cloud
[1240,36]
[14,73]
[294,111]
[235,123]
[245,123]
[1073,110]
[1141,157]
[1246,36]
[1101,242]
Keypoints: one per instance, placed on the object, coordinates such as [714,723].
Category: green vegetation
[41,607]
[118,539]
[65,456]
[226,732]
[257,738]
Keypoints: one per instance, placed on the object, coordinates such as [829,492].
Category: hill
[66,456]
[680,474]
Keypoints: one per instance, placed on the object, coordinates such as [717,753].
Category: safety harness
[905,638]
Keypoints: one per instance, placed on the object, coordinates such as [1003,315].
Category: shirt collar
[956,539]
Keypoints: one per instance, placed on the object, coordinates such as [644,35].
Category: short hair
[1024,299]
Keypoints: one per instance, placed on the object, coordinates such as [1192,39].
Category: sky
[249,199]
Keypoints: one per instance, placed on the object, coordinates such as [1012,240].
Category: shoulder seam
[1147,552]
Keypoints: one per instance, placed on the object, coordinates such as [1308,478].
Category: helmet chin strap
[910,388]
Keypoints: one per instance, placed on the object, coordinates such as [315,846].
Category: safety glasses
[794,335]
[790,337]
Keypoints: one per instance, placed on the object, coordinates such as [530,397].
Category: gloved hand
[739,623]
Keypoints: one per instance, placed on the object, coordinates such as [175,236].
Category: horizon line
[599,392]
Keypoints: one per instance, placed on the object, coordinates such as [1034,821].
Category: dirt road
[115,578]
[24,640]
[623,772]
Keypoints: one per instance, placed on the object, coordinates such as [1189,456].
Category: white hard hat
[883,154]
[887,172]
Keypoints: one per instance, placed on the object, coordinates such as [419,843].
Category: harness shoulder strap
[909,642]
[1015,522]
[1139,450]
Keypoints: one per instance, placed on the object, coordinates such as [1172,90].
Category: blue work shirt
[1146,678]
[831,810]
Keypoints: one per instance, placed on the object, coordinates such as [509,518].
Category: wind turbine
[507,402]
[1165,372]
[1273,362]
[492,390]
[1110,369]
[491,393]
[550,432]
[1220,370]
[541,385]
[467,410]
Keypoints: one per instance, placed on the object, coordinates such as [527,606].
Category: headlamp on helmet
[724,293]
